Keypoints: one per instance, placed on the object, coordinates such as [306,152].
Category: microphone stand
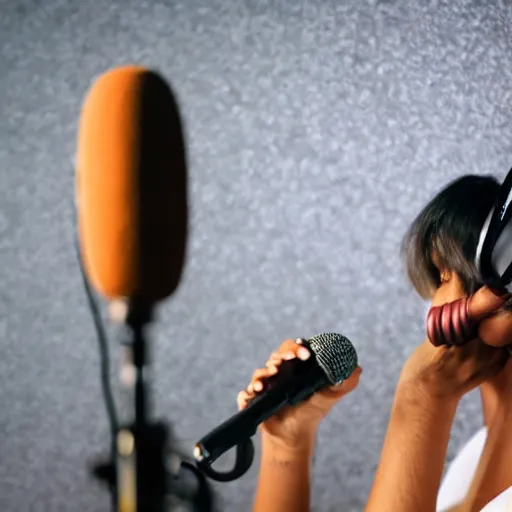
[145,475]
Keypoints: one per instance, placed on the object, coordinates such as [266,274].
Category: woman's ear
[445,275]
[451,289]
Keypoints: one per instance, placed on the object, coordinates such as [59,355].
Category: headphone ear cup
[494,251]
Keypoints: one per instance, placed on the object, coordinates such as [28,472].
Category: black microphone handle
[297,381]
[239,427]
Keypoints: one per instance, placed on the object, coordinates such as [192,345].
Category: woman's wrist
[423,397]
[287,448]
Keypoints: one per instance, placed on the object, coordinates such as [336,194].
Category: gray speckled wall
[316,131]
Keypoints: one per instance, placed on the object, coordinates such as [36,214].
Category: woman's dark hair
[449,226]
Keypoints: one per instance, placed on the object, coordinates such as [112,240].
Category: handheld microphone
[461,321]
[131,186]
[333,360]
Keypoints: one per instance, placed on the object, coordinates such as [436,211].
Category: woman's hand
[496,330]
[494,321]
[449,372]
[295,427]
[452,371]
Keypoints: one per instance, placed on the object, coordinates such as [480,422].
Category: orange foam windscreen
[131,186]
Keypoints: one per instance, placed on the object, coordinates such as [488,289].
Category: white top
[460,473]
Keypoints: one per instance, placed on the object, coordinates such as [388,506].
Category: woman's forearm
[494,472]
[412,459]
[284,480]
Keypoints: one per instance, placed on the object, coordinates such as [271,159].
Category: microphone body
[333,359]
[297,381]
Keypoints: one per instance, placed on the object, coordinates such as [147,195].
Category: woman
[439,251]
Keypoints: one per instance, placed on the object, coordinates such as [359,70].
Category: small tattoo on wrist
[281,463]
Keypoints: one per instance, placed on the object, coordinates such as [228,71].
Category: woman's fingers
[496,330]
[289,349]
[303,353]
[326,395]
[348,385]
[351,383]
[275,359]
[256,385]
[242,399]
[257,379]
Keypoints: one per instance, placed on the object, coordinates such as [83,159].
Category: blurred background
[316,131]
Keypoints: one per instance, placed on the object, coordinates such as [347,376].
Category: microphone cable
[104,355]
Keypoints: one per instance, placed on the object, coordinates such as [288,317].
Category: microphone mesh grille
[335,354]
